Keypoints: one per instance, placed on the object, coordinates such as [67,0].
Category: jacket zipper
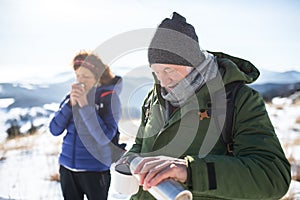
[73,151]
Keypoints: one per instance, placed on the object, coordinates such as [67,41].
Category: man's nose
[164,80]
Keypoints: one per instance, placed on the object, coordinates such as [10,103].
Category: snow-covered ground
[285,117]
[27,164]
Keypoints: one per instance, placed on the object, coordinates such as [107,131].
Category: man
[180,138]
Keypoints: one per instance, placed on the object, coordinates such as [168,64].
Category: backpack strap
[148,104]
[106,93]
[227,131]
[116,138]
[100,99]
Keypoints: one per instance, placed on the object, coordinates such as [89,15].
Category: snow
[51,107]
[28,163]
[26,168]
[2,127]
[5,102]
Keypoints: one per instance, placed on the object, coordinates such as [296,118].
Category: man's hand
[153,170]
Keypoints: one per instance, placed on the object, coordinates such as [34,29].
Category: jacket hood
[236,69]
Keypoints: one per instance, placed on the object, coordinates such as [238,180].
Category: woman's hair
[92,62]
[107,76]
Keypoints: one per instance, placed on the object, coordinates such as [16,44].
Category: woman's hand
[153,170]
[78,95]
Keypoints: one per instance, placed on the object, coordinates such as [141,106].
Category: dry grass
[2,158]
[298,120]
[297,102]
[296,141]
[290,197]
[296,175]
[23,143]
[18,143]
[279,107]
[32,142]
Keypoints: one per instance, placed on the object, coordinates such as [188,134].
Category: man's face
[170,75]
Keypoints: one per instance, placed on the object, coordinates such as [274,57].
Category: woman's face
[85,76]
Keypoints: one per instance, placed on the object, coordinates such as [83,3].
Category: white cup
[122,181]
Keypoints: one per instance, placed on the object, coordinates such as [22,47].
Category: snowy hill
[35,92]
[26,94]
[26,105]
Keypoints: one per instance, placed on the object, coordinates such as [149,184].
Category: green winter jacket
[258,168]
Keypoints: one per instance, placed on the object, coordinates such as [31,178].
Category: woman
[89,114]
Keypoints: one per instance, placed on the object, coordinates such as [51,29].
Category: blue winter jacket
[89,130]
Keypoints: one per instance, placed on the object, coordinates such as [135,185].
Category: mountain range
[33,98]
[273,84]
[270,84]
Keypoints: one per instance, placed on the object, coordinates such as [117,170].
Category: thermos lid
[123,168]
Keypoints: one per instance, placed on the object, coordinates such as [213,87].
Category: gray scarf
[206,71]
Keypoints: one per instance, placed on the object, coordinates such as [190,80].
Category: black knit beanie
[175,42]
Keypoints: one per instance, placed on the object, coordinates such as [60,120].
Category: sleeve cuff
[189,180]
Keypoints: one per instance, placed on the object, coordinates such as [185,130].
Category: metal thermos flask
[166,190]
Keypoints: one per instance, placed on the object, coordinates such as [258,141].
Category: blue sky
[40,37]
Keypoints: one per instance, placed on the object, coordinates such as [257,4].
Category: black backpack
[231,90]
[117,148]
